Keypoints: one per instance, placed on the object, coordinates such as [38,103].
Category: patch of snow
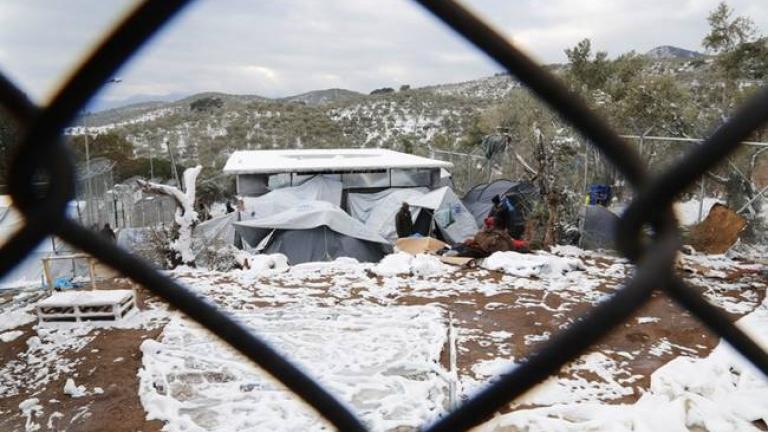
[31,408]
[51,418]
[383,361]
[647,320]
[528,265]
[493,367]
[15,318]
[401,263]
[610,384]
[74,390]
[10,335]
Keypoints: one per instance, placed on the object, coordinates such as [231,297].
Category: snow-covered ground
[722,392]
[400,342]
[382,361]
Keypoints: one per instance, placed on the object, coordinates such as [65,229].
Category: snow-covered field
[400,342]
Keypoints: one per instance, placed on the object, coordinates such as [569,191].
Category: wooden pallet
[79,306]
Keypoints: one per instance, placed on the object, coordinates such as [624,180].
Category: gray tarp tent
[454,222]
[313,231]
[597,228]
[377,210]
[478,199]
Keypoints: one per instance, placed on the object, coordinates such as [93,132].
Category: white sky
[279,48]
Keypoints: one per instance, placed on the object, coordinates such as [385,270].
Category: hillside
[206,128]
[666,52]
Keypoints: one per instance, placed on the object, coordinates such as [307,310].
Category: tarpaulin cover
[322,244]
[455,222]
[313,231]
[317,188]
[377,210]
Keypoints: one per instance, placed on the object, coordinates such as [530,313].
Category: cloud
[278,48]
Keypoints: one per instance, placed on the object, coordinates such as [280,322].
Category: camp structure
[313,231]
[441,214]
[478,199]
[358,170]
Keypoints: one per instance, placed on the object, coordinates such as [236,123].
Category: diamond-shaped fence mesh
[650,211]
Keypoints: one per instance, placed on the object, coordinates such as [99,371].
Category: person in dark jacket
[404,221]
[108,233]
[498,213]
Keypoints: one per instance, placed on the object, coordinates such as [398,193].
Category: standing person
[404,221]
[108,233]
[514,217]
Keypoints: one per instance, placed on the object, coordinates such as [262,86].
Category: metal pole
[173,164]
[701,199]
[586,166]
[694,140]
[89,207]
[151,164]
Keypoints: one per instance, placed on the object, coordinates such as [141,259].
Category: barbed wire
[654,255]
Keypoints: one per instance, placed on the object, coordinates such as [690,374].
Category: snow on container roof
[336,160]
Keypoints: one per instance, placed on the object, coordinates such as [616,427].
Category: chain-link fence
[46,214]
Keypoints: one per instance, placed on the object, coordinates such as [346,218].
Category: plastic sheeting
[313,231]
[218,232]
[598,228]
[455,222]
[317,188]
[377,210]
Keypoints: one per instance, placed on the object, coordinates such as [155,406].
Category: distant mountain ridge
[319,97]
[668,52]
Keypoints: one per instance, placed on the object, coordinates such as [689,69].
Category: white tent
[455,222]
[377,210]
[317,188]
